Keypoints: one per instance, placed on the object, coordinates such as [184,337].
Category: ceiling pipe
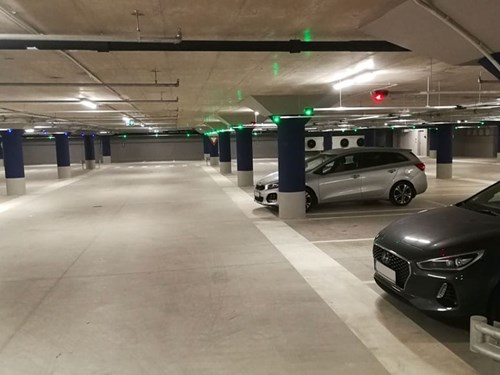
[96,84]
[478,44]
[93,101]
[84,38]
[85,43]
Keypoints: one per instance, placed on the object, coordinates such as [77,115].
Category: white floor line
[371,318]
[369,282]
[350,217]
[365,212]
[488,182]
[341,241]
[437,203]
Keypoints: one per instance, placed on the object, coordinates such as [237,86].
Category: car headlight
[451,263]
[273,185]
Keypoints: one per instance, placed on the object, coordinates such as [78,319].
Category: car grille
[449,299]
[259,187]
[395,263]
[259,199]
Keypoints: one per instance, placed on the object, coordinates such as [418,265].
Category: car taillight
[420,166]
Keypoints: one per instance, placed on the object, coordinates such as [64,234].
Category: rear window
[375,159]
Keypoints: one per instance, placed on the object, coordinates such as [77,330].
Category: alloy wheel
[403,194]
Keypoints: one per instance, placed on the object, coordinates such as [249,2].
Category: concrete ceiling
[215,86]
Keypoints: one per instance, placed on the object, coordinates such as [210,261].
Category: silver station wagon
[354,174]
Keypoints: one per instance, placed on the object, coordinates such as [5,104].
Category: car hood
[430,232]
[272,177]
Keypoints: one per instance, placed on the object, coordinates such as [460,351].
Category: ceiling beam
[92,84]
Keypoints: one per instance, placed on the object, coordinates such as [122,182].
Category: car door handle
[391,170]
[356,176]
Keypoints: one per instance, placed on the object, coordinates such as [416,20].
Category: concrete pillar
[88,141]
[327,140]
[498,142]
[291,166]
[206,148]
[1,153]
[433,142]
[62,155]
[106,149]
[244,155]
[214,150]
[444,165]
[14,163]
[370,137]
[225,152]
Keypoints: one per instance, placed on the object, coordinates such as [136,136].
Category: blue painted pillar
[370,137]
[327,140]
[88,141]
[62,155]
[291,168]
[225,152]
[444,166]
[13,161]
[214,150]
[432,133]
[206,148]
[1,153]
[244,155]
[106,149]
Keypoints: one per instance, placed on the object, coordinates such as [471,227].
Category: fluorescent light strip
[88,104]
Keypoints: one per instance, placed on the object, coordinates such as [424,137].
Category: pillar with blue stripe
[214,150]
[291,168]
[244,155]
[1,152]
[432,133]
[225,152]
[206,148]
[444,159]
[327,140]
[106,149]
[88,141]
[62,155]
[12,140]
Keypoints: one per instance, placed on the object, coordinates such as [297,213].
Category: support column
[62,155]
[370,137]
[206,148]
[244,155]
[498,142]
[88,141]
[327,141]
[225,152]
[14,163]
[214,151]
[106,149]
[1,153]
[432,133]
[291,166]
[444,166]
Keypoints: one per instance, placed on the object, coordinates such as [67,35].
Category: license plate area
[385,271]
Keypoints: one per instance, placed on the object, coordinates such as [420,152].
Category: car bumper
[266,197]
[462,296]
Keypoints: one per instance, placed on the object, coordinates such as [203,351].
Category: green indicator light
[355,130]
[239,95]
[482,122]
[308,111]
[276,69]
[124,135]
[307,35]
[188,135]
[156,135]
[276,119]
[51,137]
[254,134]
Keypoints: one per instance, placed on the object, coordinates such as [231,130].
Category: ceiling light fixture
[360,73]
[88,104]
[29,130]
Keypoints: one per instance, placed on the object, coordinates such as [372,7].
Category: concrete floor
[169,268]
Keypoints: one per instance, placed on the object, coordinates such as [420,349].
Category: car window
[375,159]
[315,161]
[345,163]
[394,157]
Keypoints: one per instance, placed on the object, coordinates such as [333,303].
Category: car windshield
[315,161]
[486,201]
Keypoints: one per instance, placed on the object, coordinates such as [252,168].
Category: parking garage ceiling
[185,88]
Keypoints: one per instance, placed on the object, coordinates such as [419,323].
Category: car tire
[402,193]
[311,199]
[494,306]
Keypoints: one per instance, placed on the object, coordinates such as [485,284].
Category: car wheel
[311,200]
[494,306]
[401,193]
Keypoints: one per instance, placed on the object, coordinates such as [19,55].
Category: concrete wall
[131,149]
[412,139]
[475,143]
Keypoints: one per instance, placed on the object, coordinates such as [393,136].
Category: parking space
[345,232]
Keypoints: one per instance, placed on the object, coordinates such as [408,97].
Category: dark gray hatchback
[447,260]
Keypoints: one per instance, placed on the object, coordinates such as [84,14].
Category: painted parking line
[368,315]
[350,217]
[366,212]
[347,240]
[476,180]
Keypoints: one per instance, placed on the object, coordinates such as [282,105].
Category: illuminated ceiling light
[29,130]
[365,77]
[88,104]
[362,66]
[343,84]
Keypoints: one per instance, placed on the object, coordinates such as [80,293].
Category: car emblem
[386,258]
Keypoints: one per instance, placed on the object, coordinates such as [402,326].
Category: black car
[446,260]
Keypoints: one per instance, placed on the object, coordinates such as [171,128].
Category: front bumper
[446,293]
[266,197]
